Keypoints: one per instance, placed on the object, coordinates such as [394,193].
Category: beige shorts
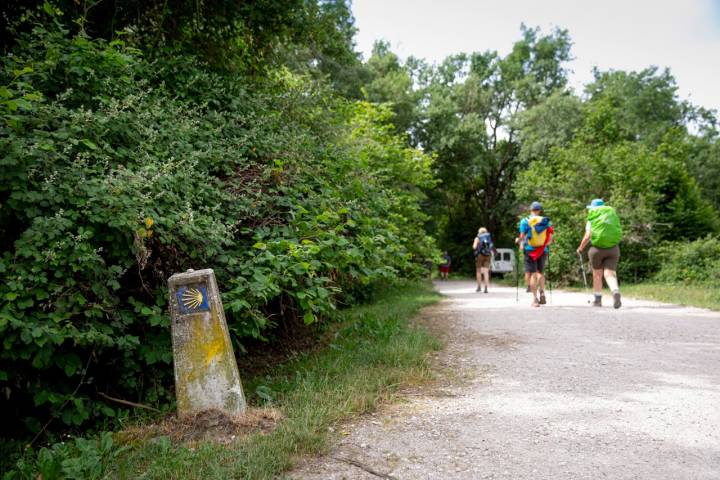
[605,258]
[482,261]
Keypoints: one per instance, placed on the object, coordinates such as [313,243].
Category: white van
[503,261]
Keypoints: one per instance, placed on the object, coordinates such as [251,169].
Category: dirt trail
[567,391]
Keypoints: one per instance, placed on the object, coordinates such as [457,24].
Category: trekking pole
[548,277]
[582,269]
[517,279]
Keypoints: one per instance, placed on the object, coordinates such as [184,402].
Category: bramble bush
[117,171]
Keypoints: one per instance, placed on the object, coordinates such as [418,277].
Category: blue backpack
[485,245]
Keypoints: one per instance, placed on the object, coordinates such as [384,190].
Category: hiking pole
[582,269]
[548,276]
[517,279]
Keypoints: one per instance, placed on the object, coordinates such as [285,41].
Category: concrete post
[206,373]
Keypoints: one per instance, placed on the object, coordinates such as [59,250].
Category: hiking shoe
[543,301]
[597,302]
[617,303]
[527,290]
[478,289]
[485,290]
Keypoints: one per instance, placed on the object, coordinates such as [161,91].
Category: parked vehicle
[503,261]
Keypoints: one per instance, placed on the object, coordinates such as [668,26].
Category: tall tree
[391,82]
[468,124]
[311,36]
[645,103]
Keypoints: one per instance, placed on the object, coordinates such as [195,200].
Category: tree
[311,36]
[550,124]
[391,82]
[471,101]
[645,104]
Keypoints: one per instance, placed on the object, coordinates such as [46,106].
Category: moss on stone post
[206,372]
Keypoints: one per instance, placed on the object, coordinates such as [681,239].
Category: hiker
[483,249]
[535,238]
[603,232]
[445,265]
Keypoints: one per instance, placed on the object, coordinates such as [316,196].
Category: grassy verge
[691,295]
[372,350]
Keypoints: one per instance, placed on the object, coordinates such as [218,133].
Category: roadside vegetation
[678,294]
[367,353]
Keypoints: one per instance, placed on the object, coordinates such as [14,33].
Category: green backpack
[605,225]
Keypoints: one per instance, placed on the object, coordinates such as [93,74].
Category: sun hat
[598,202]
[536,206]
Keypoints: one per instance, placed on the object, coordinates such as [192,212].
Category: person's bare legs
[485,275]
[597,286]
[611,280]
[527,279]
[612,283]
[540,284]
[478,276]
[533,289]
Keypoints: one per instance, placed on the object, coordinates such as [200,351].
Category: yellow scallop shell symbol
[192,298]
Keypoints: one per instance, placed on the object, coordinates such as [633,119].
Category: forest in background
[143,138]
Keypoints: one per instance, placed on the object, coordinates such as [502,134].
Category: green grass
[691,295]
[373,350]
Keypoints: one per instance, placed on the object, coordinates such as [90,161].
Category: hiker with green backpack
[604,232]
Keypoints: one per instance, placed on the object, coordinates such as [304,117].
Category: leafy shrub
[75,459]
[694,263]
[118,171]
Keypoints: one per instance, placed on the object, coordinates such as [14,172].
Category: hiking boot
[597,302]
[617,303]
[527,290]
[485,291]
[478,289]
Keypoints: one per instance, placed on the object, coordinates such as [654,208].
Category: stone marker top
[190,276]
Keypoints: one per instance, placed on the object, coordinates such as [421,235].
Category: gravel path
[566,391]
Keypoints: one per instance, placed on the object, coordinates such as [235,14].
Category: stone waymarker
[206,373]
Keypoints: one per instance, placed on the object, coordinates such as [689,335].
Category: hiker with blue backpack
[535,238]
[483,249]
[603,232]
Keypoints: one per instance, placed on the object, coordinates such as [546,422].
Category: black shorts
[532,266]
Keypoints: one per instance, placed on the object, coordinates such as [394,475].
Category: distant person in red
[445,266]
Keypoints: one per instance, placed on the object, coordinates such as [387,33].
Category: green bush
[119,171]
[692,263]
[75,459]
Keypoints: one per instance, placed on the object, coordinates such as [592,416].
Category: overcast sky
[610,34]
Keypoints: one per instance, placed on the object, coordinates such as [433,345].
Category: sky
[683,35]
